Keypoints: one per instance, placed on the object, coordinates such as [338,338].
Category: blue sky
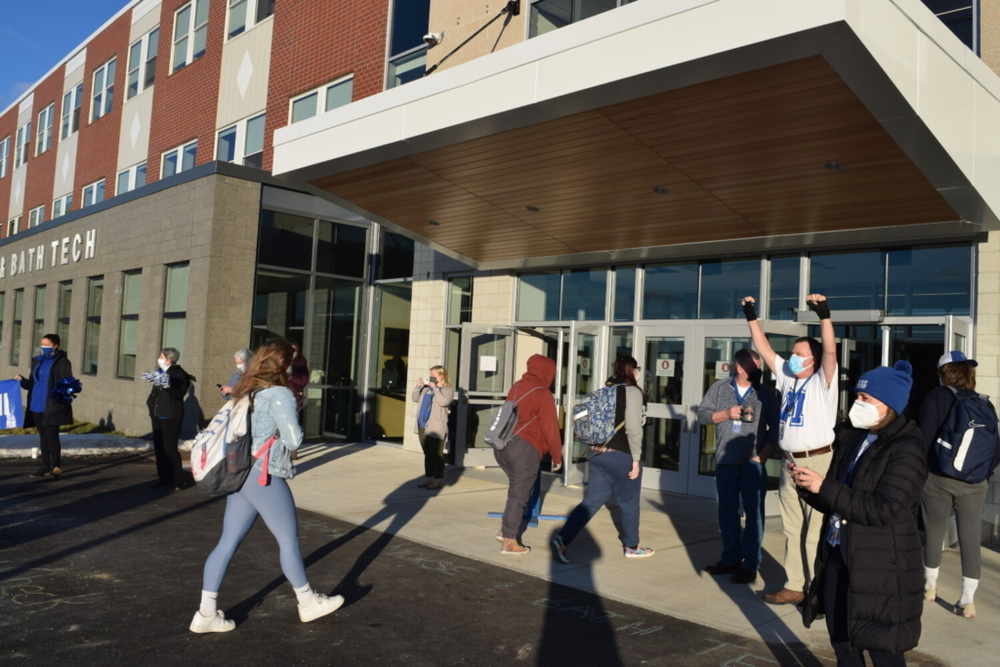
[36,35]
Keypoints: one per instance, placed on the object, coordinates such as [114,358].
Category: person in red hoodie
[536,434]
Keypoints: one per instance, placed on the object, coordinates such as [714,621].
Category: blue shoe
[559,550]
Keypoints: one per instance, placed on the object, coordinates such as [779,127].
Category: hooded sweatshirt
[537,421]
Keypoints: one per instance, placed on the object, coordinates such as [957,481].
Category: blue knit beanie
[888,385]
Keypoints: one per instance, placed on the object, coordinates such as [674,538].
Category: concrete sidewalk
[375,486]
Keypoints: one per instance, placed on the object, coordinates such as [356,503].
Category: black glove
[749,311]
[821,308]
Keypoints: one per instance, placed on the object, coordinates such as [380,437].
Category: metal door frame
[576,472]
[466,456]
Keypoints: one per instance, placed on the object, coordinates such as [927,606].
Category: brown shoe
[744,576]
[785,596]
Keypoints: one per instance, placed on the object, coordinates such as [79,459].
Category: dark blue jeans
[746,482]
[608,477]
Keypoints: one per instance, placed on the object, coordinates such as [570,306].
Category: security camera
[433,38]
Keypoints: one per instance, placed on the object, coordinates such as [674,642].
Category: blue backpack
[594,417]
[967,441]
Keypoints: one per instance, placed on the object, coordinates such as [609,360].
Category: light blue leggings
[274,503]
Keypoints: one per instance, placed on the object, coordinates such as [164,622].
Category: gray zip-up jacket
[736,448]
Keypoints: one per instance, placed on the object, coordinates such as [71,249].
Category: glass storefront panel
[922,346]
[670,292]
[397,257]
[341,249]
[621,341]
[390,356]
[488,361]
[538,297]
[624,306]
[334,330]
[930,281]
[850,281]
[459,300]
[279,309]
[584,293]
[723,286]
[665,384]
[718,360]
[783,299]
[286,240]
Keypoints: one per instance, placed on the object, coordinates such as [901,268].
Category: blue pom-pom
[903,366]
[66,390]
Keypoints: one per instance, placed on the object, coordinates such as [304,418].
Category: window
[407,50]
[92,335]
[4,154]
[15,329]
[961,17]
[128,338]
[549,15]
[783,301]
[36,216]
[142,63]
[175,307]
[243,143]
[62,206]
[190,33]
[13,226]
[104,89]
[21,145]
[72,102]
[179,159]
[323,99]
[38,330]
[131,178]
[65,304]
[244,14]
[45,119]
[93,193]
[579,294]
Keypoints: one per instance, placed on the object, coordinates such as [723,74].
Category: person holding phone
[434,394]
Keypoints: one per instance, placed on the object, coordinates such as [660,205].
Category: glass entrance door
[588,369]
[487,371]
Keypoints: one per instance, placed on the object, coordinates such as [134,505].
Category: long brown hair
[268,368]
[624,370]
[958,374]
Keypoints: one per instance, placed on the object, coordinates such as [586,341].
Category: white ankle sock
[931,577]
[969,587]
[208,603]
[305,595]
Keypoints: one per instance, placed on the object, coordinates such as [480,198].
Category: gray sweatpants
[520,461]
[939,496]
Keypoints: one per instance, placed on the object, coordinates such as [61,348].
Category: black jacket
[933,414]
[168,402]
[56,414]
[879,537]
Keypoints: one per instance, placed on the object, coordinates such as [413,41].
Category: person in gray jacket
[745,415]
[434,394]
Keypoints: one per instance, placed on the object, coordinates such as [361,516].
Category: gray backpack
[501,430]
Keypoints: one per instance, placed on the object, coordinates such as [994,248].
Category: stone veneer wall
[987,353]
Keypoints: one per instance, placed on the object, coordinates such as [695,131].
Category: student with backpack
[536,433]
[615,470]
[960,462]
[265,491]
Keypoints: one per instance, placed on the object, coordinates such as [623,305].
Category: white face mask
[864,415]
[241,368]
[163,363]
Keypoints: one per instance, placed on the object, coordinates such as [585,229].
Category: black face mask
[755,376]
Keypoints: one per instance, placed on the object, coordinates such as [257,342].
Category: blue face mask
[46,351]
[797,364]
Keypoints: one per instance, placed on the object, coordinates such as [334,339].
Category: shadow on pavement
[331,452]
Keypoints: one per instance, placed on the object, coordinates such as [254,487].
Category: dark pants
[48,443]
[433,447]
[168,460]
[520,461]
[608,479]
[836,582]
[746,482]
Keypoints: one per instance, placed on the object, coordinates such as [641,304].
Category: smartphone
[219,386]
[789,459]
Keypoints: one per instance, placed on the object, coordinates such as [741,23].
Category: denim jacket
[274,410]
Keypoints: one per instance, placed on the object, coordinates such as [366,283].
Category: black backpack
[967,441]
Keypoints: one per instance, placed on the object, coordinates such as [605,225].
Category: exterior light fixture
[835,166]
[533,209]
[661,191]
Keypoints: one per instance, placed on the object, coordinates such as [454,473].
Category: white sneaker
[321,606]
[216,623]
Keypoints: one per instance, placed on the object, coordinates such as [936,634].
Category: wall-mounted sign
[488,364]
[58,252]
[722,369]
[665,367]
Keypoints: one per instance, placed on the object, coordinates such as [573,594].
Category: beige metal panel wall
[20,175]
[246,62]
[133,142]
[145,17]
[218,239]
[457,20]
[66,148]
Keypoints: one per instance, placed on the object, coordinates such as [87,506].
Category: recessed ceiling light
[433,223]
[533,209]
[836,166]
[661,191]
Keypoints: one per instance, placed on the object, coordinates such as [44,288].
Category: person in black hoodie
[869,579]
[41,410]
[166,410]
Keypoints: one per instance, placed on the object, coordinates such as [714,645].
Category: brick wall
[184,102]
[97,150]
[316,41]
[8,128]
[42,169]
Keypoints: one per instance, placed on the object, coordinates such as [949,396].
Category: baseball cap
[955,357]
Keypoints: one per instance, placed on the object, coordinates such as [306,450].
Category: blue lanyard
[793,396]
[736,390]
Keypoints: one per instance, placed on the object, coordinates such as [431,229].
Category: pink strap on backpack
[263,450]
